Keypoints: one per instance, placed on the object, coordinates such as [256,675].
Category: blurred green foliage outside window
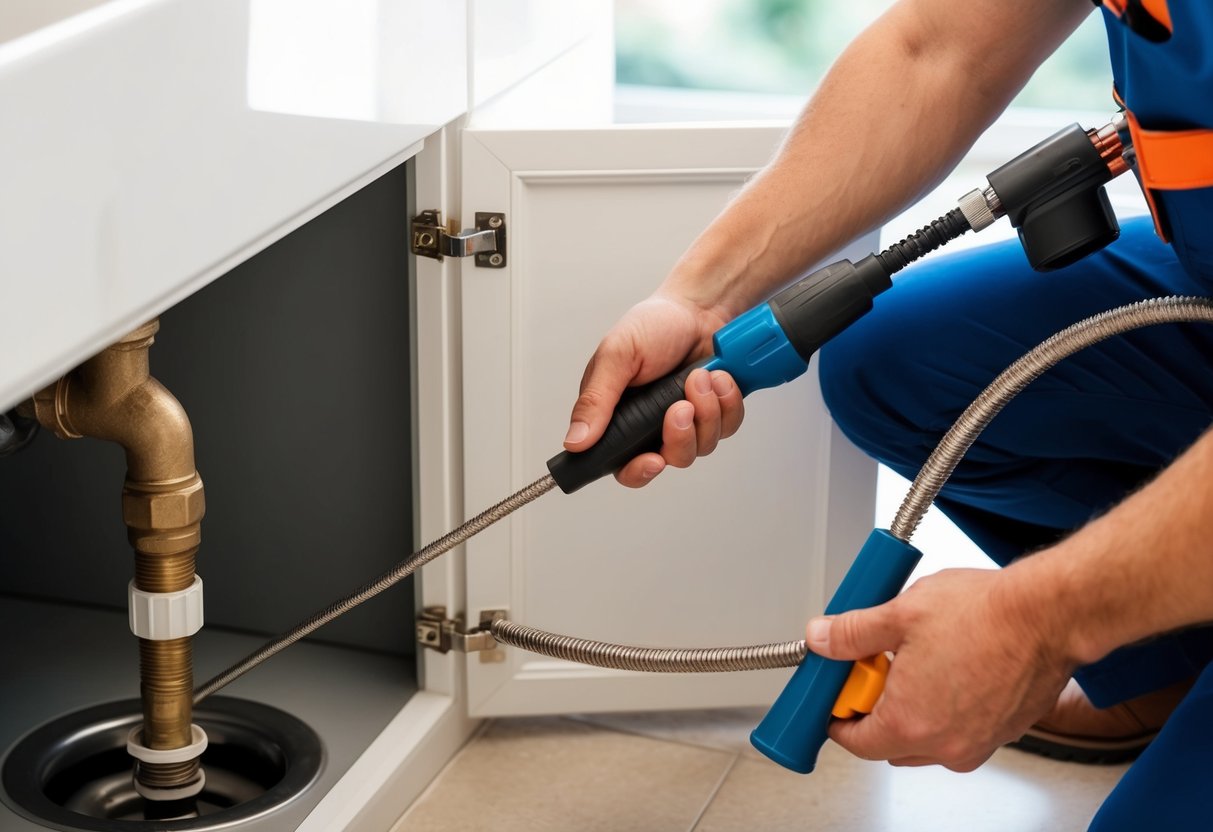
[786,46]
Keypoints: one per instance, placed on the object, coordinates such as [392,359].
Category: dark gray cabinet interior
[295,370]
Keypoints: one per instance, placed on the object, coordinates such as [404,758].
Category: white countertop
[147,146]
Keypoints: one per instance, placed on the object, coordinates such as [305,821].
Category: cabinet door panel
[735,550]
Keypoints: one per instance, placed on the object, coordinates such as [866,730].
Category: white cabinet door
[737,549]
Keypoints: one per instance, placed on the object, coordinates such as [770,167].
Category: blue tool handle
[752,348]
[795,728]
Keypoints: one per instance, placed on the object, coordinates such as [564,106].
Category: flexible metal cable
[956,442]
[397,573]
[650,659]
[922,493]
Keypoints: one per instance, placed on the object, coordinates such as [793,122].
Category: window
[784,47]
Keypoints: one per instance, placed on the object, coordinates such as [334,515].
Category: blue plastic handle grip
[755,350]
[795,728]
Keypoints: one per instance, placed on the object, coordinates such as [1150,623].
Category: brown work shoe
[1076,730]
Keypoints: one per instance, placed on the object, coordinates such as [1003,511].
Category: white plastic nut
[179,793]
[136,748]
[159,616]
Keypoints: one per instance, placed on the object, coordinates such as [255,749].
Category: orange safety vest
[1149,18]
[1166,159]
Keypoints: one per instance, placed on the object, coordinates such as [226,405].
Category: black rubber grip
[634,429]
[816,308]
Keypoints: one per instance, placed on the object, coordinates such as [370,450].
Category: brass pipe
[113,397]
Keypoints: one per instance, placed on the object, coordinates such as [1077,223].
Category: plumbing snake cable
[926,486]
[394,575]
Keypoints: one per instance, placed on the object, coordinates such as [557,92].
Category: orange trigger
[862,688]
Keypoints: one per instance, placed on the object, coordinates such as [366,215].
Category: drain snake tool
[1054,196]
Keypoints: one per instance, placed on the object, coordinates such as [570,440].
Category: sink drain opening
[75,773]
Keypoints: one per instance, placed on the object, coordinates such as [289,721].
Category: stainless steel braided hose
[649,659]
[960,437]
[931,478]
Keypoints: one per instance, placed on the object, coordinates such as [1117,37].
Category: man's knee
[846,394]
[868,390]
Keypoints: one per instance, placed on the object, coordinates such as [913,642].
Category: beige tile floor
[696,771]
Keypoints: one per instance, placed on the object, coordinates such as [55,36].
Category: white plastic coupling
[136,748]
[160,616]
[179,793]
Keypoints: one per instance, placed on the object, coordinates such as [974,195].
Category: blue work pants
[1072,445]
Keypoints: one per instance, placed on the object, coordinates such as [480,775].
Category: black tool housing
[1053,195]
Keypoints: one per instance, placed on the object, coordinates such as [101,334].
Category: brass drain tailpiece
[113,397]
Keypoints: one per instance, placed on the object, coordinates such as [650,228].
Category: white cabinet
[733,551]
[739,549]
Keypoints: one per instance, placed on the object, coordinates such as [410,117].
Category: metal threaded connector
[976,210]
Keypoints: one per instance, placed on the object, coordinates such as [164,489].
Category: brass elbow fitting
[113,397]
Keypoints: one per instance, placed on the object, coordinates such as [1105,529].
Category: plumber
[1094,488]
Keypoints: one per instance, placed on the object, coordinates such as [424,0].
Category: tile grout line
[636,732]
[715,791]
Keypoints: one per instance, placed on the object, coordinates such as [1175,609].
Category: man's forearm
[1144,568]
[891,118]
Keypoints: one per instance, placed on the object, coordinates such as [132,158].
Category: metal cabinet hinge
[487,243]
[438,632]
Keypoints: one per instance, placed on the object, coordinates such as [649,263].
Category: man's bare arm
[895,113]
